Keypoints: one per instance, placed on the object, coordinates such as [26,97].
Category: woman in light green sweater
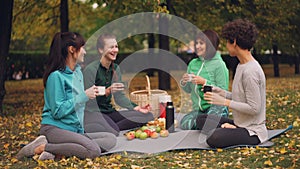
[207,69]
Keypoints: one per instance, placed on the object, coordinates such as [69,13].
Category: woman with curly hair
[247,99]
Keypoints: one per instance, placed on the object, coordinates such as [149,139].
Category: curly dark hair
[243,31]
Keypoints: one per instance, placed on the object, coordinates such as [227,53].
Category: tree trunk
[6,8]
[64,16]
[163,77]
[151,41]
[297,64]
[276,61]
[164,80]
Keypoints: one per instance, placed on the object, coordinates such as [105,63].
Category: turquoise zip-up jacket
[214,71]
[65,100]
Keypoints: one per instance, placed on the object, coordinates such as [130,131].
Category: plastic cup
[101,90]
[190,77]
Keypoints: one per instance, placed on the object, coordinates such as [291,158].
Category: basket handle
[148,83]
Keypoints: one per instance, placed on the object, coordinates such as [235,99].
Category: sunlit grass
[23,106]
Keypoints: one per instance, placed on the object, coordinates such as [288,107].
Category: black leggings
[223,137]
[115,121]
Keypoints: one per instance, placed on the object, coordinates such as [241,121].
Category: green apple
[158,129]
[143,136]
[144,128]
[138,133]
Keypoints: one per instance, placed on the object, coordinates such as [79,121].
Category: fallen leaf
[268,163]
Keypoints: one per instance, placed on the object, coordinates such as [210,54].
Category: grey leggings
[68,143]
[115,121]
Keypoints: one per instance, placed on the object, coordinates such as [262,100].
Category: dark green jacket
[96,74]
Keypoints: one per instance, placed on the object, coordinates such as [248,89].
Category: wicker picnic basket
[148,96]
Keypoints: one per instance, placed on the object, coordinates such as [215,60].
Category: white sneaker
[28,150]
[46,156]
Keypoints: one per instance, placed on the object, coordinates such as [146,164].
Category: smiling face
[80,55]
[200,47]
[110,49]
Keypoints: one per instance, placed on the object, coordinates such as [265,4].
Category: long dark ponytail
[59,51]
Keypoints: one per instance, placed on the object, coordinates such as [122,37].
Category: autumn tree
[6,8]
[36,22]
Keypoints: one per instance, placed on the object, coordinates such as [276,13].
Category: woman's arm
[59,103]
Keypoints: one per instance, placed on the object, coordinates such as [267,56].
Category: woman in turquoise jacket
[62,131]
[207,69]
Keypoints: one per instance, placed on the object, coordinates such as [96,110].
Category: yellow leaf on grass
[6,146]
[135,167]
[282,151]
[14,160]
[118,157]
[29,124]
[268,163]
[296,124]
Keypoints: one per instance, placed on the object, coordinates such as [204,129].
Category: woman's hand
[144,109]
[214,98]
[186,78]
[218,91]
[198,80]
[227,125]
[91,92]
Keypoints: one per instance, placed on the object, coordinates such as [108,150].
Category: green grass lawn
[24,101]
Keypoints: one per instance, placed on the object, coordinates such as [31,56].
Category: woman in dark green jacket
[100,114]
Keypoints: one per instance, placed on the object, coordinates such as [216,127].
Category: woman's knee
[214,139]
[94,150]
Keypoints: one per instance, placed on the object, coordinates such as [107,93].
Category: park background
[32,24]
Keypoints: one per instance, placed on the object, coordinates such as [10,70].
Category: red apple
[148,132]
[130,135]
[154,134]
[164,133]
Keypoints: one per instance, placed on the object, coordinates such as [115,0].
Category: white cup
[117,87]
[190,77]
[101,90]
